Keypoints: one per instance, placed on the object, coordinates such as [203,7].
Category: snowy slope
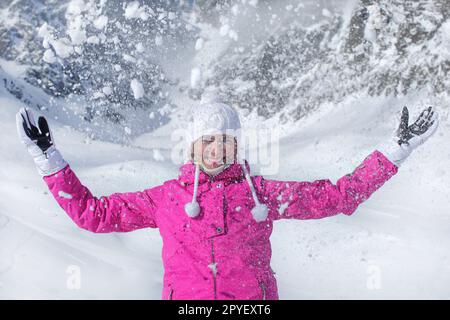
[401,236]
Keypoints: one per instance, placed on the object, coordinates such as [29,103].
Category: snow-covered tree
[386,48]
[98,50]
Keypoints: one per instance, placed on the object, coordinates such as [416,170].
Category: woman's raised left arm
[322,198]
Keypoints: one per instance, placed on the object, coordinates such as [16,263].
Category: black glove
[419,131]
[408,137]
[39,142]
[41,137]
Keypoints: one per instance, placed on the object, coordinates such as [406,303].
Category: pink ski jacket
[223,253]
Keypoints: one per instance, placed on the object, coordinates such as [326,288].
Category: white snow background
[400,237]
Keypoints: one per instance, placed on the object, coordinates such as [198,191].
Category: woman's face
[213,151]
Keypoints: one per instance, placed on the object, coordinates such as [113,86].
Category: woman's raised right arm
[120,212]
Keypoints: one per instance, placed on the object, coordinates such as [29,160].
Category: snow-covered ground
[397,244]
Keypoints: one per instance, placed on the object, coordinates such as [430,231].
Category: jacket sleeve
[322,198]
[119,212]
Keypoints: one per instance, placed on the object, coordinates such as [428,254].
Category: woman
[215,220]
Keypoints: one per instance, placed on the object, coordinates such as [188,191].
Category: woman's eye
[208,139]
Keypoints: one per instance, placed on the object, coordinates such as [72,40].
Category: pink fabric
[223,253]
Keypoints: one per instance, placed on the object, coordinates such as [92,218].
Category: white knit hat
[215,117]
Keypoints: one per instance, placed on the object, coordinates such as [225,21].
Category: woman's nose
[216,148]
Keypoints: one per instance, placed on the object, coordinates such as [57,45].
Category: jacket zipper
[213,268]
[213,265]
[263,289]
[170,294]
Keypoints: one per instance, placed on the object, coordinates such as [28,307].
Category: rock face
[386,48]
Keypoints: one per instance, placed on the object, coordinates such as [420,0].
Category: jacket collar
[232,172]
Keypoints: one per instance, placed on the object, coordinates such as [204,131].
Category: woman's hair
[192,152]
